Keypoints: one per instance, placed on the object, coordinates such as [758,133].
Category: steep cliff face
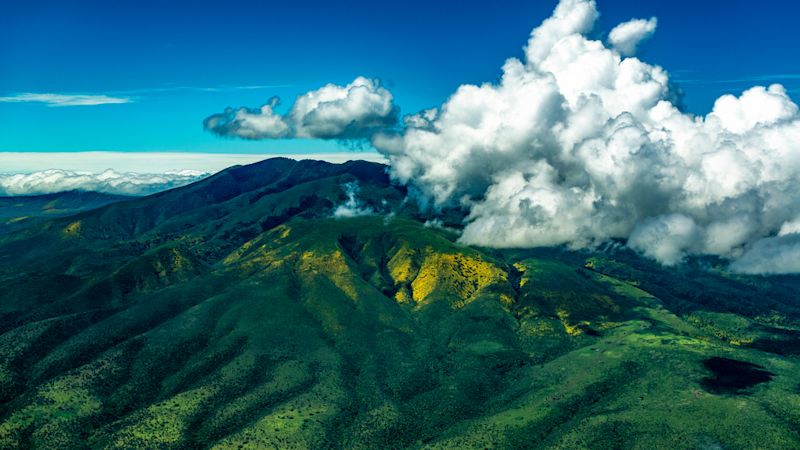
[238,312]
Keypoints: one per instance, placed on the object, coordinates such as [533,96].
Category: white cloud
[769,256]
[64,99]
[354,111]
[790,227]
[666,238]
[579,144]
[626,37]
[756,107]
[351,207]
[221,88]
[570,17]
[262,123]
[109,181]
[768,78]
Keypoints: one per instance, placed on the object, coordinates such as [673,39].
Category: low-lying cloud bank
[581,142]
[109,182]
[130,173]
[156,162]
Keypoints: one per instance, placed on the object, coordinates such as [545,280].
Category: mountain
[21,211]
[304,304]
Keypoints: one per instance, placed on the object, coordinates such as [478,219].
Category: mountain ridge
[20,211]
[239,312]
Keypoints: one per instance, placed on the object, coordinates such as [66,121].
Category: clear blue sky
[181,61]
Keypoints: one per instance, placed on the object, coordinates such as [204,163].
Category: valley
[237,312]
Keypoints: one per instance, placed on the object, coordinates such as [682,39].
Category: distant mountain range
[290,304]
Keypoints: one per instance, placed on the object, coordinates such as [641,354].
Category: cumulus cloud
[262,123]
[64,99]
[666,238]
[580,143]
[351,207]
[109,181]
[354,111]
[626,37]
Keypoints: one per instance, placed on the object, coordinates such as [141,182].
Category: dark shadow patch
[590,331]
[732,376]
[783,347]
[781,342]
[307,203]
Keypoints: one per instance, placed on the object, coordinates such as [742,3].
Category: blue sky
[179,62]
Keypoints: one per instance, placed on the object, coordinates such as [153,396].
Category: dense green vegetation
[19,212]
[237,313]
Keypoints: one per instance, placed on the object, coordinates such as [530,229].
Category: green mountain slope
[238,313]
[19,212]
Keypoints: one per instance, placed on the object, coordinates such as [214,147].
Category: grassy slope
[17,212]
[229,314]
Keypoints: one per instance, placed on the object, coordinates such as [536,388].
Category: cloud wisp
[351,207]
[750,79]
[168,89]
[351,112]
[109,182]
[120,96]
[57,100]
